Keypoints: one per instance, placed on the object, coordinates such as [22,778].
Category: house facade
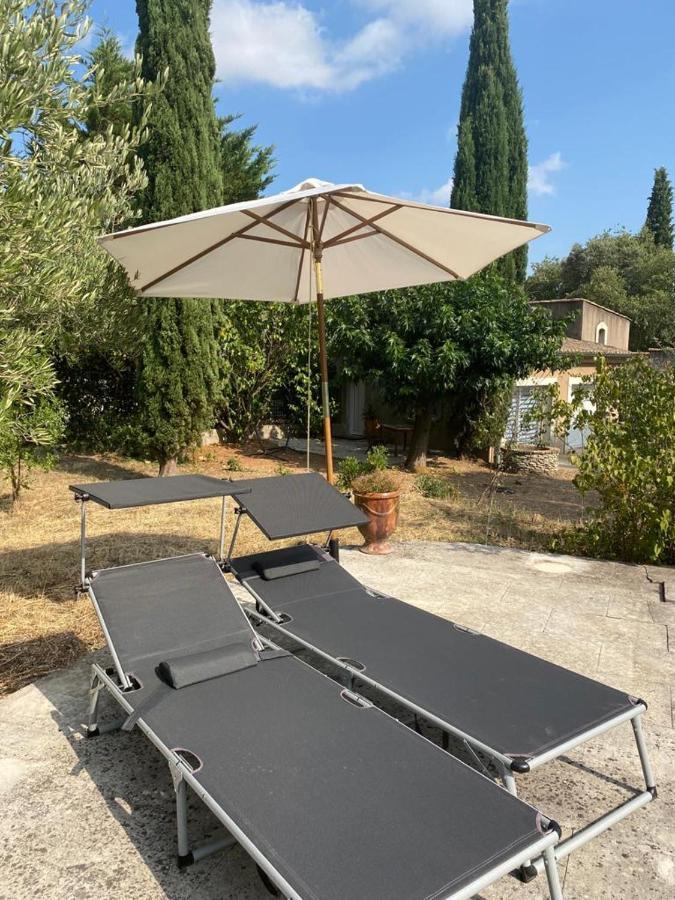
[593,330]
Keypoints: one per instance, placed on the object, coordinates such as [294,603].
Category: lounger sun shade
[517,709]
[292,505]
[128,493]
[332,798]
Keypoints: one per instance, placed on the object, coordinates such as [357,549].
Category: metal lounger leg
[223,513]
[94,692]
[509,780]
[647,771]
[184,856]
[552,876]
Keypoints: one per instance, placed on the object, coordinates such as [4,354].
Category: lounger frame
[183,776]
[507,767]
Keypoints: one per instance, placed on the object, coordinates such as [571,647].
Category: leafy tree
[629,461]
[490,173]
[660,210]
[629,273]
[57,190]
[265,347]
[426,344]
[180,373]
[246,168]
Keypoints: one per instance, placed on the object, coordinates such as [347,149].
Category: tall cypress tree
[490,173]
[179,375]
[660,209]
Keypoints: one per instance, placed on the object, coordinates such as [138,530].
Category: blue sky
[369,91]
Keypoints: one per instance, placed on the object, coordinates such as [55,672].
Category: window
[601,333]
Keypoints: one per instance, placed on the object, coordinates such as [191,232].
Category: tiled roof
[591,348]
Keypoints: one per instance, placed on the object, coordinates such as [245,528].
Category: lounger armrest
[186,670]
[271,573]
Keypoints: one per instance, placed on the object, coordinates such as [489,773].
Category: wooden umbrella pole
[323,364]
[323,358]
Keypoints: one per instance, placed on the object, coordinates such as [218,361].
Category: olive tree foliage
[628,461]
[456,344]
[58,192]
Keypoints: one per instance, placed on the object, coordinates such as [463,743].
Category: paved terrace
[96,818]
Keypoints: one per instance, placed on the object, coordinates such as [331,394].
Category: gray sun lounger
[514,708]
[332,798]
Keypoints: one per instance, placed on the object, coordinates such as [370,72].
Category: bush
[377,460]
[234,464]
[629,460]
[435,487]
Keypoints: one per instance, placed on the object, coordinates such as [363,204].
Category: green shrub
[629,461]
[234,464]
[349,469]
[435,487]
[377,460]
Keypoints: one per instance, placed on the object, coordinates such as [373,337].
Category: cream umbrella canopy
[312,243]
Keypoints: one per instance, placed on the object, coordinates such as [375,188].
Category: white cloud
[539,176]
[448,17]
[282,43]
[439,196]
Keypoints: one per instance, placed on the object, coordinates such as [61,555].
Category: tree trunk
[419,441]
[168,466]
[15,480]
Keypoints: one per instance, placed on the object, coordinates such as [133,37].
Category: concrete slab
[96,818]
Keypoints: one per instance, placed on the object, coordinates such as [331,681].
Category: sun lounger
[331,797]
[517,710]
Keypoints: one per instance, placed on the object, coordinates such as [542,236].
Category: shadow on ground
[53,568]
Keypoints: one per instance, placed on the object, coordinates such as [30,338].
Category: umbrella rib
[439,209]
[397,240]
[296,293]
[263,220]
[338,237]
[268,240]
[226,240]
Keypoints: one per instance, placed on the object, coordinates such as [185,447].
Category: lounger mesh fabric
[130,492]
[344,801]
[509,700]
[289,505]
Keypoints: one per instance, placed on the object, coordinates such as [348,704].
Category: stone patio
[96,819]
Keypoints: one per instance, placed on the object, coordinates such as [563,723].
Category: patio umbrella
[311,243]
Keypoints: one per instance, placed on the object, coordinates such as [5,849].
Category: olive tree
[58,193]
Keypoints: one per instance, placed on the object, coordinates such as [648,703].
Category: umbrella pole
[323,364]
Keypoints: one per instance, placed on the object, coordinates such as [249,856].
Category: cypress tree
[490,174]
[178,382]
[660,210]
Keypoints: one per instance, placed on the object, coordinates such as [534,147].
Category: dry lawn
[44,627]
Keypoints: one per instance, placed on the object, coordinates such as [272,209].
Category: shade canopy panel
[264,249]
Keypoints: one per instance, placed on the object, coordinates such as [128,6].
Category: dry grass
[43,626]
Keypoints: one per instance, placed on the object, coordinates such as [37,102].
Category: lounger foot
[527,873]
[653,791]
[93,732]
[184,861]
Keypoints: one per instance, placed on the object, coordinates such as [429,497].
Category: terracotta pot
[382,512]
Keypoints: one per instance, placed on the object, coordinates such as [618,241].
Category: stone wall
[530,459]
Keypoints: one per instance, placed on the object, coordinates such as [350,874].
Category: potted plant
[376,490]
[378,494]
